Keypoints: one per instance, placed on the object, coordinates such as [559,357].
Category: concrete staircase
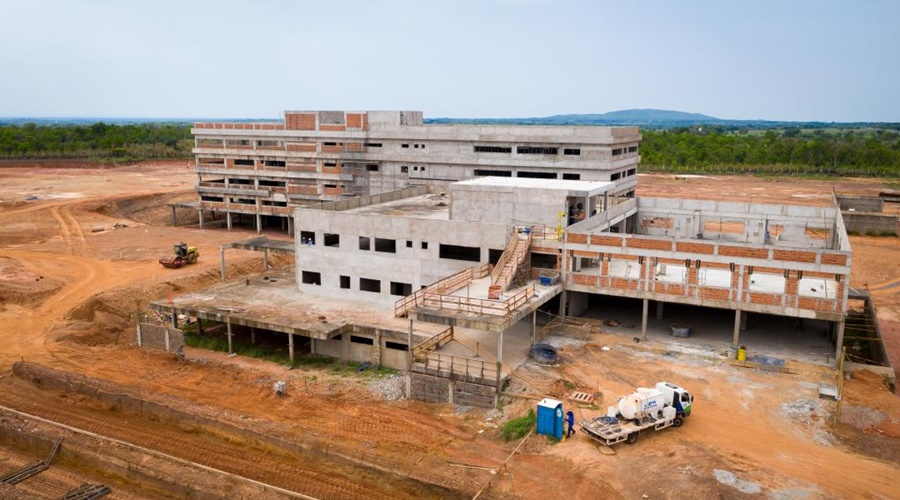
[512,258]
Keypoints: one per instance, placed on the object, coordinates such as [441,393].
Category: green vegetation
[219,343]
[517,427]
[790,151]
[96,142]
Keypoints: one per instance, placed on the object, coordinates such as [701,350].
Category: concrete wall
[441,390]
[506,205]
[861,203]
[862,223]
[411,264]
[150,336]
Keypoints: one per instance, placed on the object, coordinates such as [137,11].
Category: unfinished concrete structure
[390,229]
[263,170]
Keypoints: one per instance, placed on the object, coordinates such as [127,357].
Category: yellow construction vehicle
[183,255]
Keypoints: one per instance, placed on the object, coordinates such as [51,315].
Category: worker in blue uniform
[570,417]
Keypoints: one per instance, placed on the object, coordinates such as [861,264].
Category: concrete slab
[272,301]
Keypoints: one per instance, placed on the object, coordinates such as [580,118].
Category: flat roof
[426,206]
[571,187]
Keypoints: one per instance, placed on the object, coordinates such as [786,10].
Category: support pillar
[839,344]
[230,338]
[290,226]
[291,347]
[345,346]
[737,328]
[409,348]
[500,347]
[228,220]
[644,319]
[266,259]
[174,218]
[252,335]
[222,261]
[258,224]
[533,326]
[200,216]
[562,305]
[659,310]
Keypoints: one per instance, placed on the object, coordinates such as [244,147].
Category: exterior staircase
[512,258]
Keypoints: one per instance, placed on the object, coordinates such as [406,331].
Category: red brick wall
[703,248]
[305,147]
[584,279]
[589,255]
[576,238]
[648,243]
[300,121]
[834,259]
[610,241]
[753,253]
[713,293]
[332,128]
[794,255]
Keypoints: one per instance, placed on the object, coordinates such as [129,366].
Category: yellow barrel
[742,354]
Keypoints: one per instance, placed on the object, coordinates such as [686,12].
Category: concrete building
[264,170]
[468,231]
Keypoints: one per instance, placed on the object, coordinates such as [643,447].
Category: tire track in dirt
[272,466]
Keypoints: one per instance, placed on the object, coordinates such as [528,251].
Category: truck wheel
[632,438]
[677,422]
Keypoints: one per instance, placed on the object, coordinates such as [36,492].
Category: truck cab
[681,399]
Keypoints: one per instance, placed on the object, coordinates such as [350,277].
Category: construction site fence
[449,366]
[445,286]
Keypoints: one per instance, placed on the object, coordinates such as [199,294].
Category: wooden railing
[445,286]
[504,258]
[457,365]
[479,306]
[433,343]
[513,256]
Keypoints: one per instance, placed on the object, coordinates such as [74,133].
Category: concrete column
[533,326]
[345,346]
[230,338]
[266,259]
[222,261]
[291,347]
[644,319]
[200,215]
[174,218]
[451,390]
[562,305]
[839,343]
[252,335]
[312,346]
[168,341]
[605,201]
[228,220]
[258,224]
[140,336]
[290,226]
[500,347]
[659,310]
[737,328]
[409,348]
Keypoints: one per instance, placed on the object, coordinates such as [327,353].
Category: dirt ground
[78,251]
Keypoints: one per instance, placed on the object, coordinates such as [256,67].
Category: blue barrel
[550,418]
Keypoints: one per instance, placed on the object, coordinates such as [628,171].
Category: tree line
[695,149]
[699,149]
[97,141]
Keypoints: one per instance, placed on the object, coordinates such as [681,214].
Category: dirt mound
[147,209]
[20,286]
[109,317]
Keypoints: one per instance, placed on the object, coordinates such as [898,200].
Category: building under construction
[443,270]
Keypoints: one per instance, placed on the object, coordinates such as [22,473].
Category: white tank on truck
[666,405]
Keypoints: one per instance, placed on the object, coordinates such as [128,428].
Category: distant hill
[636,116]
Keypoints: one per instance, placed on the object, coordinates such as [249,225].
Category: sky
[798,60]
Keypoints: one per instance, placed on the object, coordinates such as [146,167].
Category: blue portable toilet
[550,418]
